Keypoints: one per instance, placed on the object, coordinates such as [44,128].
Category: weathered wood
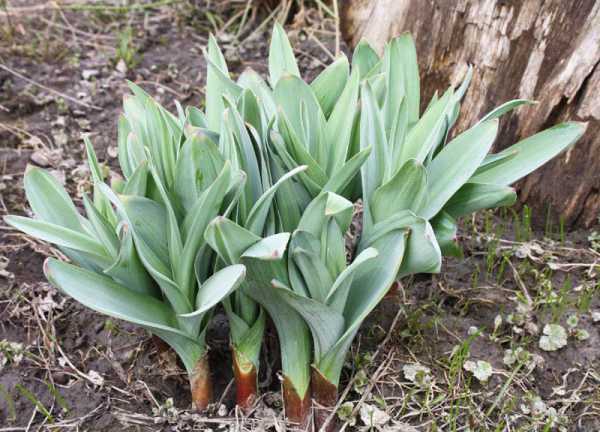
[547,50]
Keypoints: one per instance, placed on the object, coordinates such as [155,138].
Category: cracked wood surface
[546,50]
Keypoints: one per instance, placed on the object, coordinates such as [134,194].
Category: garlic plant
[143,260]
[413,184]
[247,203]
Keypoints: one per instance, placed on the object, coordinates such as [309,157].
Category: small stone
[95,378]
[40,158]
[112,151]
[121,66]
[87,74]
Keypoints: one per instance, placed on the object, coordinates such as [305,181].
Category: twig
[337,27]
[48,89]
[164,87]
[519,282]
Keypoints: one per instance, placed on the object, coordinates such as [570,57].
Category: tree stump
[545,50]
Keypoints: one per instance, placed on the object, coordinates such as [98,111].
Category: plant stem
[201,384]
[297,408]
[245,381]
[325,395]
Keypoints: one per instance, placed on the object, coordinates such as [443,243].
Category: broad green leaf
[282,161]
[340,209]
[57,234]
[100,201]
[338,130]
[291,198]
[174,240]
[218,84]
[291,95]
[393,72]
[228,239]
[330,83]
[127,268]
[49,200]
[422,254]
[259,212]
[333,249]
[103,230]
[206,209]
[398,133]
[247,156]
[135,150]
[217,287]
[249,79]
[343,176]
[364,58]
[368,288]
[407,56]
[195,117]
[151,242]
[457,97]
[378,85]
[264,263]
[137,182]
[424,135]
[300,153]
[401,220]
[271,248]
[338,294]
[281,56]
[445,229]
[250,342]
[293,333]
[456,163]
[326,205]
[251,112]
[372,134]
[104,295]
[326,325]
[148,220]
[531,153]
[477,196]
[506,107]
[123,131]
[198,165]
[313,270]
[493,159]
[407,190]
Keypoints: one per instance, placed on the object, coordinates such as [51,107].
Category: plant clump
[247,202]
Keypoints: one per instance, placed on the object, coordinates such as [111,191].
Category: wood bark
[546,50]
